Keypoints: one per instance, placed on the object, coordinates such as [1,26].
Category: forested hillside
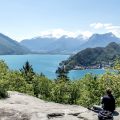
[93,57]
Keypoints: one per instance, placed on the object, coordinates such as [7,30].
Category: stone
[20,106]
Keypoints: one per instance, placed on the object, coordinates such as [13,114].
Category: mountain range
[62,45]
[93,57]
[99,40]
[67,45]
[9,46]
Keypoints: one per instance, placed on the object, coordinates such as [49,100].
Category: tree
[3,68]
[27,72]
[90,94]
[62,74]
[3,72]
[60,92]
[42,87]
[74,92]
[117,64]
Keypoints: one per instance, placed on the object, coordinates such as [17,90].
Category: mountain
[38,44]
[68,45]
[62,45]
[93,57]
[99,40]
[65,45]
[9,46]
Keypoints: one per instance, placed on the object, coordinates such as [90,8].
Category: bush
[3,93]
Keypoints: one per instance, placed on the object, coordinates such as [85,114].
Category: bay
[47,64]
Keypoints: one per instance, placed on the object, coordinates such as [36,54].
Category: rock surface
[23,107]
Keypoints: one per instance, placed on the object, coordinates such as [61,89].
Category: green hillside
[93,57]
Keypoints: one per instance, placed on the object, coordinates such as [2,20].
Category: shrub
[3,93]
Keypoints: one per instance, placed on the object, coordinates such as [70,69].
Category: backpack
[105,115]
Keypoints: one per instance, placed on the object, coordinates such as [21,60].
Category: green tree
[90,93]
[74,92]
[62,73]
[3,72]
[60,92]
[3,68]
[27,72]
[42,87]
[117,64]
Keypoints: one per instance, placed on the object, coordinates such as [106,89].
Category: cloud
[115,29]
[106,27]
[57,33]
[97,25]
[86,34]
[100,25]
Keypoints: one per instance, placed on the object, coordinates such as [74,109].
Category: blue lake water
[47,64]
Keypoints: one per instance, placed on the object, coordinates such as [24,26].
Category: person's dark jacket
[108,103]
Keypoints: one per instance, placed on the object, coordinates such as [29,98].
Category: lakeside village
[103,65]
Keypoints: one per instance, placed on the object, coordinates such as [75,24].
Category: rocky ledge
[24,107]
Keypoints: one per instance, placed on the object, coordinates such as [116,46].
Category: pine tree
[62,74]
[27,72]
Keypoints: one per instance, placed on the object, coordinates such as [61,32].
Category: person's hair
[108,91]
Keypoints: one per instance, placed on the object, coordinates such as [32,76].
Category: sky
[22,19]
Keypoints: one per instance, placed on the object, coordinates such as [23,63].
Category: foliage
[62,74]
[90,93]
[3,93]
[27,72]
[86,91]
[3,68]
[94,57]
[117,64]
[3,71]
[42,86]
[60,92]
[74,92]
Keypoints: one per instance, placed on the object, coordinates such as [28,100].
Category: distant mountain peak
[110,34]
[69,44]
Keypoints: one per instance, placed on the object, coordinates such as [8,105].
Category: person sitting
[108,101]
[108,106]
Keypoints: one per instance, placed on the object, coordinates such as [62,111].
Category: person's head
[108,91]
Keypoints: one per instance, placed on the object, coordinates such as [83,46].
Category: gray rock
[24,107]
[88,115]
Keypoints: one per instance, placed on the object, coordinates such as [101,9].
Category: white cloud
[86,34]
[53,33]
[106,27]
[57,33]
[115,29]
[97,25]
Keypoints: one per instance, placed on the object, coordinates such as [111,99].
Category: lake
[47,64]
